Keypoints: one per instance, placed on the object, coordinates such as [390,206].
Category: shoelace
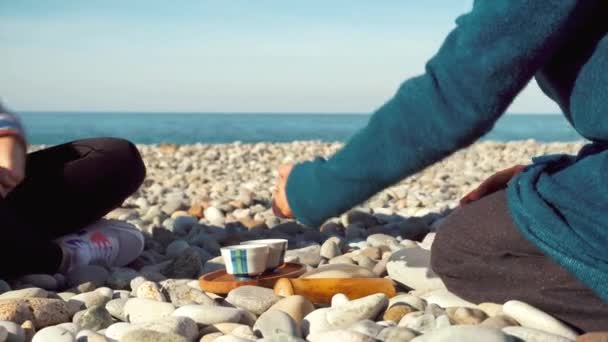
[100,250]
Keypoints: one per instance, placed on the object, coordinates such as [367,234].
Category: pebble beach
[198,198]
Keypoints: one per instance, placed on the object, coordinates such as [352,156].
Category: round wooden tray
[220,282]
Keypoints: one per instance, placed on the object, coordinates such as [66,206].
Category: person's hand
[280,207]
[12,163]
[496,182]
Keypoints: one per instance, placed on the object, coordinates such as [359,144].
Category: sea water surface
[187,128]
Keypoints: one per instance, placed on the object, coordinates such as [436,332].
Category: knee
[125,159]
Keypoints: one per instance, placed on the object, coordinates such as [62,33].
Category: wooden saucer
[220,282]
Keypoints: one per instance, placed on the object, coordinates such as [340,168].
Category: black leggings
[66,187]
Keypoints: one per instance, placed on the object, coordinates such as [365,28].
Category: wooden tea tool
[320,290]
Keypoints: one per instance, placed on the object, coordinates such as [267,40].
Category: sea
[51,128]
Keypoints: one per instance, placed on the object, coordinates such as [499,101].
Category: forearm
[483,64]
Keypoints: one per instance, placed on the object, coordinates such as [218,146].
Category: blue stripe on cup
[239,261]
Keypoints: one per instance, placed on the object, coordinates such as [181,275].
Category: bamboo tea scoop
[320,290]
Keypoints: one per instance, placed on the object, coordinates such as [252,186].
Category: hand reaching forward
[496,182]
[12,163]
[280,207]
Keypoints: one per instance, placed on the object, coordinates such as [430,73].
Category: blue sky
[220,56]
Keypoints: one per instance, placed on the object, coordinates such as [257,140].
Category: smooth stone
[339,335]
[231,338]
[206,315]
[316,322]
[151,336]
[150,290]
[31,292]
[187,265]
[396,312]
[442,321]
[470,316]
[90,299]
[368,307]
[183,326]
[176,247]
[44,281]
[116,308]
[531,317]
[295,306]
[182,224]
[42,311]
[69,326]
[329,249]
[446,299]
[491,309]
[339,271]
[464,333]
[342,259]
[87,273]
[139,310]
[182,294]
[310,255]
[90,336]
[54,334]
[211,337]
[245,332]
[413,301]
[367,327]
[95,318]
[136,282]
[255,299]
[214,215]
[499,322]
[379,240]
[419,322]
[224,328]
[411,267]
[14,332]
[274,321]
[396,334]
[534,335]
[117,330]
[339,299]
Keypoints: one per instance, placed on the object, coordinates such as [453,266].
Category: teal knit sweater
[559,203]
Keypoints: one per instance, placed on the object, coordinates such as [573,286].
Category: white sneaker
[106,242]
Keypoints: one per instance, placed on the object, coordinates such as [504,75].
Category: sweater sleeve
[482,65]
[11,125]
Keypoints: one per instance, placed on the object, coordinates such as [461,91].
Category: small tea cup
[276,251]
[245,260]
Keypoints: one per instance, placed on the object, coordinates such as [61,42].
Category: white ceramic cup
[276,251]
[245,260]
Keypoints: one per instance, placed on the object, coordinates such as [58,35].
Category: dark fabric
[66,187]
[481,256]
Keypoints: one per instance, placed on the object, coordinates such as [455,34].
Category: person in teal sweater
[549,227]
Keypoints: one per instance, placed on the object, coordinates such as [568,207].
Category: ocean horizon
[54,127]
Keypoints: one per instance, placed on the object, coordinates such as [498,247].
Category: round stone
[464,333]
[14,332]
[356,310]
[396,312]
[139,310]
[274,320]
[531,317]
[530,334]
[95,318]
[468,316]
[255,299]
[295,306]
[54,334]
[207,315]
[339,271]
